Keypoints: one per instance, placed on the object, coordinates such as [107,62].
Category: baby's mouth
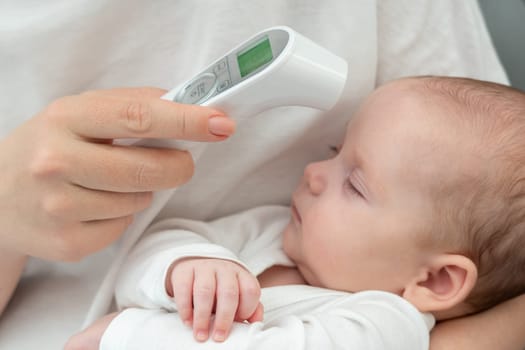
[295,213]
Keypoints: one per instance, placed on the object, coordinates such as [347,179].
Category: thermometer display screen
[254,57]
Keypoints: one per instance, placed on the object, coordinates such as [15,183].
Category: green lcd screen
[254,57]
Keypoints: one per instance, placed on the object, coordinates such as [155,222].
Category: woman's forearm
[502,328]
[11,267]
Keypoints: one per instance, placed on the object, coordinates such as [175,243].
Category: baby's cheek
[324,257]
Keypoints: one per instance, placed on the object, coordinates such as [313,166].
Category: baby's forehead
[414,134]
[440,113]
[416,94]
[401,108]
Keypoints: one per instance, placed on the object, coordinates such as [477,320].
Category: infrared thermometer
[276,67]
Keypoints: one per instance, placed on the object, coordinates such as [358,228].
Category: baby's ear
[442,284]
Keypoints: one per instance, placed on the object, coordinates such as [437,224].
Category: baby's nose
[315,177]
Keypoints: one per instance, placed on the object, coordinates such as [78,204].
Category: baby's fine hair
[488,213]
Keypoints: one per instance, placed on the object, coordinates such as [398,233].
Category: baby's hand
[202,286]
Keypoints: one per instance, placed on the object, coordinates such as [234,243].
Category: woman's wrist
[12,265]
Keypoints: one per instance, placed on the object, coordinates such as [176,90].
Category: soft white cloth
[296,316]
[54,48]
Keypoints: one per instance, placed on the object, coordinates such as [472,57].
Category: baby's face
[359,220]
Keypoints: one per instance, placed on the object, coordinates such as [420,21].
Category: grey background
[506,22]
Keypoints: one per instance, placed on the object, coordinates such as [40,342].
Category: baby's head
[425,199]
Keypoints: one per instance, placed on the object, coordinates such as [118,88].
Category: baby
[419,216]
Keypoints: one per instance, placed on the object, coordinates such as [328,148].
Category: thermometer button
[223,85]
[220,66]
[198,89]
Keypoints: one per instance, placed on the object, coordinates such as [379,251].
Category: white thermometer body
[276,67]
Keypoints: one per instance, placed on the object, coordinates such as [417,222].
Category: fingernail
[219,336]
[202,335]
[221,126]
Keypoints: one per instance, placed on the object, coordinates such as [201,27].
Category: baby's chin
[315,280]
[309,277]
[288,241]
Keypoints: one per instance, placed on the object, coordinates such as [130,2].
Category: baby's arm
[202,287]
[252,236]
[198,286]
[142,278]
[312,318]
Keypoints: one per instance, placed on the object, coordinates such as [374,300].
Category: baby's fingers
[257,315]
[249,296]
[204,286]
[226,305]
[182,289]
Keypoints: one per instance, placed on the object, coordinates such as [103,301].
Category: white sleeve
[445,37]
[141,281]
[240,238]
[371,322]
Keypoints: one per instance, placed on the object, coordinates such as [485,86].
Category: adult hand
[501,327]
[67,191]
[89,338]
